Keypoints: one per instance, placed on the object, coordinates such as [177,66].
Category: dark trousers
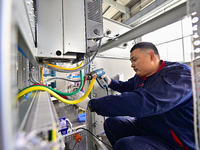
[125,134]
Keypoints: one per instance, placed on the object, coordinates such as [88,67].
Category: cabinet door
[50,37]
[74,26]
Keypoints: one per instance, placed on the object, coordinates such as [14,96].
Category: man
[158,101]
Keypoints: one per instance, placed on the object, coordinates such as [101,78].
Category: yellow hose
[54,136]
[41,88]
[42,72]
[62,67]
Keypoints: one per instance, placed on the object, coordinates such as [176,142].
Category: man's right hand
[83,104]
[107,79]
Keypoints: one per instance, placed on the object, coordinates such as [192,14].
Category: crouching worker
[158,101]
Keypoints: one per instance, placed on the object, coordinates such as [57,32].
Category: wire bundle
[43,88]
[58,94]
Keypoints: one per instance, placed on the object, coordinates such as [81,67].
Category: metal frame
[6,91]
[162,20]
[22,17]
[89,119]
[116,5]
[194,12]
[42,115]
[156,8]
[13,18]
[40,120]
[22,72]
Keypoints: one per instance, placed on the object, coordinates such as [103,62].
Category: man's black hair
[145,45]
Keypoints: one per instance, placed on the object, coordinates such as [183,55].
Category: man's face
[141,62]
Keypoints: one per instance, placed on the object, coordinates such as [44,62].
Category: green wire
[63,93]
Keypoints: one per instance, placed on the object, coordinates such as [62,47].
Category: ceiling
[139,17]
[122,10]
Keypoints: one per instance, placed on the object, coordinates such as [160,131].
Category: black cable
[95,137]
[107,90]
[31,75]
[32,79]
[74,145]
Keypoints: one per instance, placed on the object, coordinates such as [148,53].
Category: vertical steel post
[193,7]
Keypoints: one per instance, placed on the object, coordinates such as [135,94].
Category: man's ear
[152,55]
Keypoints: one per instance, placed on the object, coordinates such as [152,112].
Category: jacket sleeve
[165,92]
[120,86]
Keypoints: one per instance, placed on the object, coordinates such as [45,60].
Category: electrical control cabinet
[49,31]
[94,23]
[74,29]
[68,29]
